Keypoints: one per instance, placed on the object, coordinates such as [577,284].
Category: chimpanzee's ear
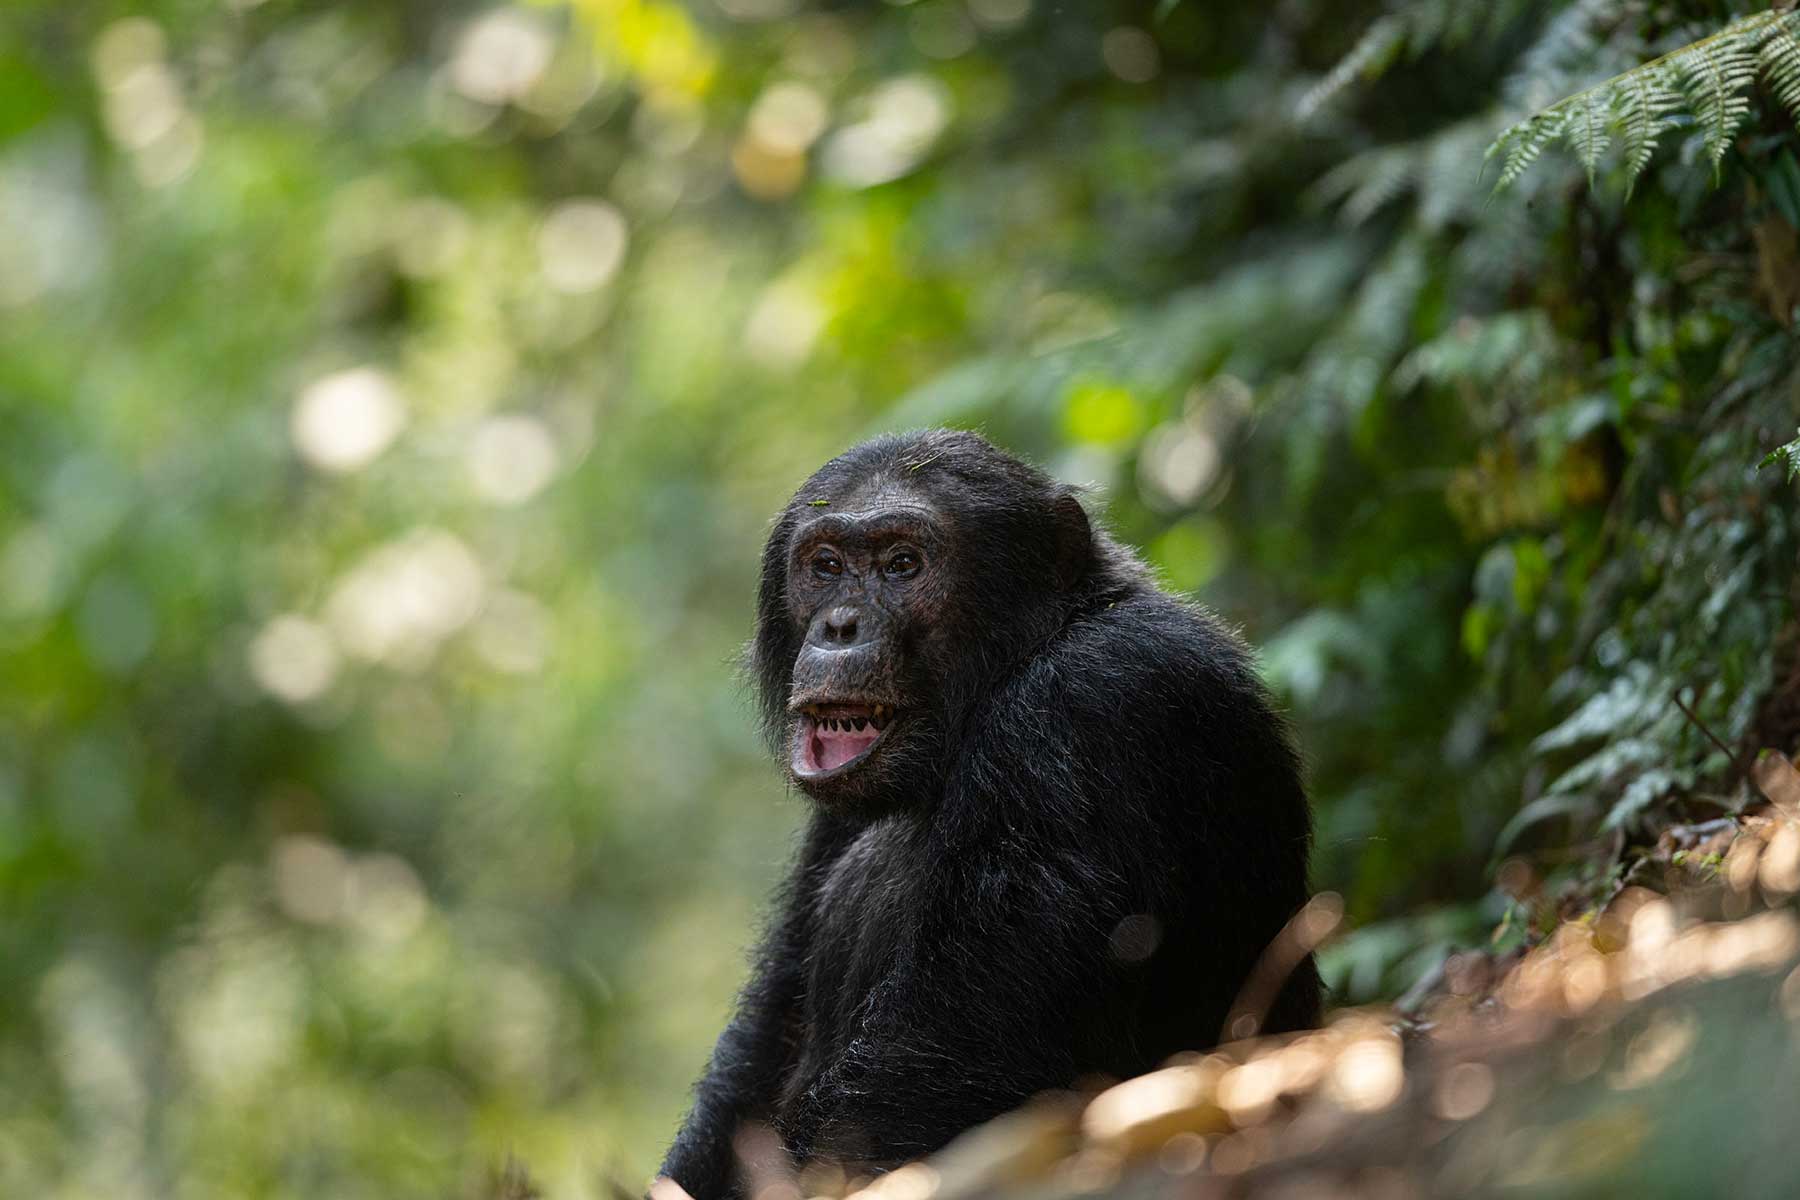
[1074,542]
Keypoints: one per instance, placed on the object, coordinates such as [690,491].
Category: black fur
[1064,864]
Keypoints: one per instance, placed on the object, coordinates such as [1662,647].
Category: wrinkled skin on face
[866,583]
[866,576]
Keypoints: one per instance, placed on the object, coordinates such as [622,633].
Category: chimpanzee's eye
[902,564]
[827,565]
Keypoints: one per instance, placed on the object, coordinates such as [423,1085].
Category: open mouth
[833,738]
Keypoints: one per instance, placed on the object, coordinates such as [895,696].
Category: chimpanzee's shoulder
[1146,643]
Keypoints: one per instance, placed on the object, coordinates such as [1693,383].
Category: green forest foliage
[393,394]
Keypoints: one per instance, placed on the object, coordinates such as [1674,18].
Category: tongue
[833,747]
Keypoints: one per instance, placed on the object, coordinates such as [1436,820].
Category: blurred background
[393,396]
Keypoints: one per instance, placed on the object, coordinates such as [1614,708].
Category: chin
[835,763]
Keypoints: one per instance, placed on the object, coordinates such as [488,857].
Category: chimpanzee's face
[864,584]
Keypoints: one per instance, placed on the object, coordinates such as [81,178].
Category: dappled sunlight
[893,127]
[394,398]
[144,108]
[404,598]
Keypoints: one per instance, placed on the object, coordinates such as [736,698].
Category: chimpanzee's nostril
[836,629]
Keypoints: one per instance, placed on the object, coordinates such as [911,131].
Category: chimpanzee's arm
[974,1016]
[750,1057]
[738,1084]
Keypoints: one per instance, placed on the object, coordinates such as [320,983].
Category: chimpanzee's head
[899,586]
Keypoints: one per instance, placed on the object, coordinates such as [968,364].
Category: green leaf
[1716,74]
[1520,145]
[1645,101]
[1780,60]
[1378,46]
[1586,130]
[1788,453]
[1709,80]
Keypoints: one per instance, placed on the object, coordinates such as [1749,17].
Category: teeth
[879,715]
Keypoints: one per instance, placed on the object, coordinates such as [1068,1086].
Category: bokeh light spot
[293,659]
[511,458]
[1131,54]
[1177,464]
[581,245]
[788,116]
[999,15]
[385,899]
[904,117]
[311,875]
[1368,1076]
[500,56]
[344,421]
[404,598]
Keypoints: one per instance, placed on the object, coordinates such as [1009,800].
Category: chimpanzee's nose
[837,628]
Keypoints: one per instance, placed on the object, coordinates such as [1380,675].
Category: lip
[811,714]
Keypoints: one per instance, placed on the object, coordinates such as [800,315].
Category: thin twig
[1693,717]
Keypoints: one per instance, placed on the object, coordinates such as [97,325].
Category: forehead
[873,508]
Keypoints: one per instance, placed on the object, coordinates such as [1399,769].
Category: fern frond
[1434,167]
[1788,455]
[1645,101]
[1447,190]
[1710,78]
[1587,130]
[1374,50]
[1520,145]
[1780,60]
[1364,185]
[1716,74]
[1413,30]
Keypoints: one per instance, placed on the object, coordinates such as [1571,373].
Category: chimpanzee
[1055,820]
